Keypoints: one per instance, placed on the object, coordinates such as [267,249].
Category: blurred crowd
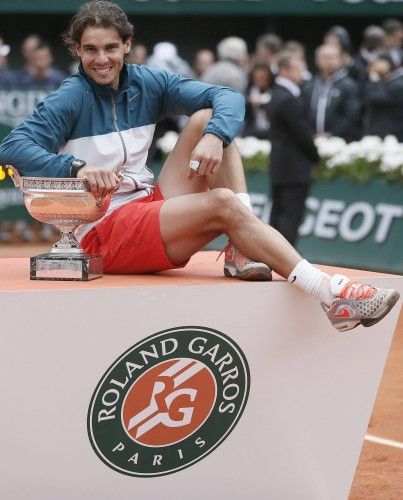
[37,71]
[347,91]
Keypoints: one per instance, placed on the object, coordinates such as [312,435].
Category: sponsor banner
[346,224]
[258,7]
[11,200]
[168,401]
[17,104]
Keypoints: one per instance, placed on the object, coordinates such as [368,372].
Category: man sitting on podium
[100,122]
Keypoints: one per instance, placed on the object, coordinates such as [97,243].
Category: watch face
[76,165]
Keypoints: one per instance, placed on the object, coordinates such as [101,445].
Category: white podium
[184,386]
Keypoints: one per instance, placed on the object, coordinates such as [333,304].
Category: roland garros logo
[168,401]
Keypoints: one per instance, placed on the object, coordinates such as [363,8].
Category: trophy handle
[15,175]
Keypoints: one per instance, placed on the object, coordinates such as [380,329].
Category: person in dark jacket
[332,96]
[373,42]
[293,150]
[394,40]
[383,99]
[257,97]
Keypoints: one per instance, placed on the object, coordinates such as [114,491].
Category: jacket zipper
[115,121]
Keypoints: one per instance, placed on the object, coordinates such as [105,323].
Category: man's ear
[128,45]
[77,48]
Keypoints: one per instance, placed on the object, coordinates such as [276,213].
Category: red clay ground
[379,474]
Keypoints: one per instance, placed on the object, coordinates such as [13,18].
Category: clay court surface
[379,474]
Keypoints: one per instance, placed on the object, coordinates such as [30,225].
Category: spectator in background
[34,74]
[295,47]
[267,49]
[138,54]
[165,56]
[373,42]
[40,73]
[229,70]
[298,49]
[203,59]
[28,46]
[339,36]
[332,98]
[383,99]
[293,151]
[394,40]
[258,95]
[6,75]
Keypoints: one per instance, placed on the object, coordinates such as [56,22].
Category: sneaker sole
[346,327]
[258,274]
[390,303]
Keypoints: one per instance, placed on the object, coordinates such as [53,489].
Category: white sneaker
[236,265]
[360,304]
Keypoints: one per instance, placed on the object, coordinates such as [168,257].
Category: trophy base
[65,267]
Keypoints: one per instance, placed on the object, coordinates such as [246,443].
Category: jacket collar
[289,85]
[398,73]
[337,75]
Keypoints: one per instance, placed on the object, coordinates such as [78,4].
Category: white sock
[317,283]
[245,199]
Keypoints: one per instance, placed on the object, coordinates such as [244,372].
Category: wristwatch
[75,166]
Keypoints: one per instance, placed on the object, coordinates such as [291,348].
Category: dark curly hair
[97,14]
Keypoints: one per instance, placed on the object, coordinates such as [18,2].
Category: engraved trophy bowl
[65,203]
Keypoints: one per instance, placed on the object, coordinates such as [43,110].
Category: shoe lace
[227,246]
[357,290]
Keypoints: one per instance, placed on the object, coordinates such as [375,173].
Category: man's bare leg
[174,181]
[188,222]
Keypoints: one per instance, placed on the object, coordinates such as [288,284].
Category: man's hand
[208,152]
[101,180]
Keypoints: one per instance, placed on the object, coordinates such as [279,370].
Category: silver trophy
[65,203]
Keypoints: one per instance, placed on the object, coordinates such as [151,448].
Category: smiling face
[102,53]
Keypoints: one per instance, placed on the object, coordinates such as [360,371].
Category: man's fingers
[193,167]
[101,181]
[210,166]
[97,184]
[216,166]
[203,166]
[90,178]
[109,182]
[101,191]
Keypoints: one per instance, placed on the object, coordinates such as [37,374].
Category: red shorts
[129,239]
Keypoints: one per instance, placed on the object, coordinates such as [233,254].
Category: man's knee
[200,119]
[224,205]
